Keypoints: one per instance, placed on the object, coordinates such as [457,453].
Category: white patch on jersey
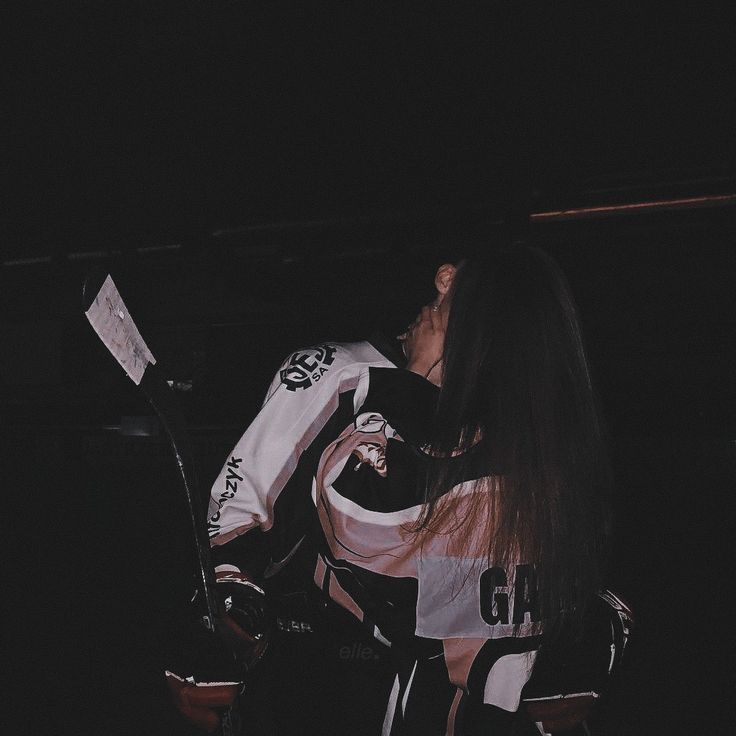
[380,637]
[379,518]
[506,679]
[405,699]
[448,602]
[391,708]
[361,390]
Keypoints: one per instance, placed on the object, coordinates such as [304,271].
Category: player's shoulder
[340,353]
[363,352]
[309,365]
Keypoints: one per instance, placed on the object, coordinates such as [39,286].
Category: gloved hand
[199,702]
[571,673]
[248,618]
[209,674]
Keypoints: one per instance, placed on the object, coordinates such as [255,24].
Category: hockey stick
[111,320]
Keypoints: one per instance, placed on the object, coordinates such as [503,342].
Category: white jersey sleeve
[301,399]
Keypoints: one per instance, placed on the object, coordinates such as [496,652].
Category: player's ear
[443,278]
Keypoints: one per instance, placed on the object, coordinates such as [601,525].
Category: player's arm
[302,397]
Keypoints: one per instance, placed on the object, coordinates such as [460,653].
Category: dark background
[259,176]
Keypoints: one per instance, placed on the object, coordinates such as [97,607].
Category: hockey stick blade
[112,322]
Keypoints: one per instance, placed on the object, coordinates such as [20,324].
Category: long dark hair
[516,389]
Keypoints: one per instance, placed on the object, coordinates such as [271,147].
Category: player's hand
[248,618]
[574,670]
[424,341]
[561,714]
[199,702]
[210,668]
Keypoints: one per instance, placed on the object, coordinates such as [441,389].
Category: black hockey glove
[211,670]
[570,674]
[248,617]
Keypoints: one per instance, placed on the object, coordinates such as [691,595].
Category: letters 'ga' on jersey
[335,453]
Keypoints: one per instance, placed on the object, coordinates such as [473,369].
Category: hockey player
[453,500]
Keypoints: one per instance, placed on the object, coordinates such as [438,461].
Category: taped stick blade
[112,322]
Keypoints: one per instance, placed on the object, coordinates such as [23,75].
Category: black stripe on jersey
[425,696]
[406,400]
[402,488]
[294,514]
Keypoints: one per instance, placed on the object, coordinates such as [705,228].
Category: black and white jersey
[335,456]
[338,439]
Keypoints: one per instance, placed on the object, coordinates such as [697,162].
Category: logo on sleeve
[306,367]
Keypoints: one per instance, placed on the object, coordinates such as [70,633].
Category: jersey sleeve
[301,398]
